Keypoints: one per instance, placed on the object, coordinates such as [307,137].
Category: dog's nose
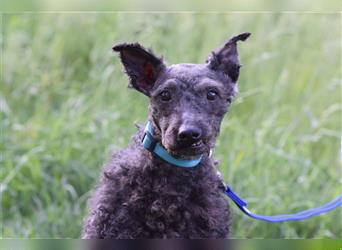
[189,134]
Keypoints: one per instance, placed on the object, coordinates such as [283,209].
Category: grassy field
[65,106]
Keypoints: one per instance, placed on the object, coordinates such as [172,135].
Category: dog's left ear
[226,58]
[141,65]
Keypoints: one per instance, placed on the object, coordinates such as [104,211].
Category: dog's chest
[171,206]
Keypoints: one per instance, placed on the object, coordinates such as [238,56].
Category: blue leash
[284,217]
[153,146]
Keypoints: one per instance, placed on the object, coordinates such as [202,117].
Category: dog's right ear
[141,65]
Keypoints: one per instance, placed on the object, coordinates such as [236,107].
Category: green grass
[65,106]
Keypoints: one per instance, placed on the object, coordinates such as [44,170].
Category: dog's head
[187,101]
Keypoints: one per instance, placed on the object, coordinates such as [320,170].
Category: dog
[164,184]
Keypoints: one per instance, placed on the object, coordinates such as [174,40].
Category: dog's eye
[212,95]
[165,95]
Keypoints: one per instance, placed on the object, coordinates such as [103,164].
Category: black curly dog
[140,195]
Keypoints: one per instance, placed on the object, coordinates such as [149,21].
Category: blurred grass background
[65,106]
[175,5]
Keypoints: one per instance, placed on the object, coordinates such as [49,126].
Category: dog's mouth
[187,150]
[196,145]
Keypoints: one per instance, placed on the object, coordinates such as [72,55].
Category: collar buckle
[149,142]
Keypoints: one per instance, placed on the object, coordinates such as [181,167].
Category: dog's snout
[189,134]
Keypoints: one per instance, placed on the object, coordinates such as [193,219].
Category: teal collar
[154,147]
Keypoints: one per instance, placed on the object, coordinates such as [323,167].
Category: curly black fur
[141,196]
